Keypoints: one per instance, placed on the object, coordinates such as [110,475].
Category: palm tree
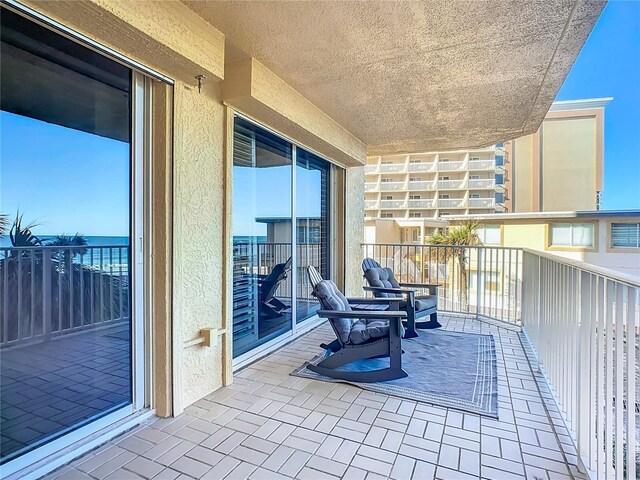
[451,248]
[4,224]
[21,235]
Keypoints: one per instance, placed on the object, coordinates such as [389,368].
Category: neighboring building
[560,167]
[436,184]
[605,238]
[557,168]
[401,230]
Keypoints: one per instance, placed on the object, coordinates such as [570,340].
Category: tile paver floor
[50,386]
[270,425]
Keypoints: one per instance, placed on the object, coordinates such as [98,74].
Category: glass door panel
[262,239]
[312,227]
[65,296]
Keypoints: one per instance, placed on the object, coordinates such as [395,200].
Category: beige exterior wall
[192,201]
[568,164]
[560,167]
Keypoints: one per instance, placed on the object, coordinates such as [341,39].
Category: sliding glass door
[274,237]
[68,282]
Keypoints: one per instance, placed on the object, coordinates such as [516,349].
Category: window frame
[613,249]
[571,247]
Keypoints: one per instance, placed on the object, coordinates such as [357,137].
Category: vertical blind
[625,235]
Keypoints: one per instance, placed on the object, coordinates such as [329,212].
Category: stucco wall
[198,230]
[569,164]
[354,230]
[522,174]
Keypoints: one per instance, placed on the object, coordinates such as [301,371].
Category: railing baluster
[632,323]
[618,365]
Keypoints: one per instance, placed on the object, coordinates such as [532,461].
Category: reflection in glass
[312,226]
[262,261]
[65,350]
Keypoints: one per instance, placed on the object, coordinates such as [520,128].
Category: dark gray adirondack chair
[360,334]
[268,286]
[383,284]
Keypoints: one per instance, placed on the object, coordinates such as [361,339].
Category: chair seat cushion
[363,331]
[426,302]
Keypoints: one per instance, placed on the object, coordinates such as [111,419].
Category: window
[444,178]
[489,234]
[414,197]
[499,178]
[474,158]
[444,159]
[443,196]
[499,160]
[475,177]
[386,162]
[571,235]
[499,197]
[388,197]
[444,214]
[625,235]
[386,180]
[386,215]
[415,179]
[415,215]
[415,161]
[475,195]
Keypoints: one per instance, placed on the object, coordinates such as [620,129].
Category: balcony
[482,164]
[370,186]
[451,184]
[482,203]
[421,204]
[371,169]
[420,185]
[482,183]
[452,203]
[371,205]
[563,401]
[422,167]
[392,185]
[451,166]
[392,168]
[393,204]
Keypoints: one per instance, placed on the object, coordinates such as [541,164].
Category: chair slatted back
[314,276]
[368,263]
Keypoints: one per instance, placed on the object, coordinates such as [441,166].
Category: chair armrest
[361,314]
[399,291]
[382,301]
[420,285]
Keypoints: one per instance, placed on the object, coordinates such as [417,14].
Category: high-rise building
[557,168]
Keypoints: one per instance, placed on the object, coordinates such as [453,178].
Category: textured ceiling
[415,76]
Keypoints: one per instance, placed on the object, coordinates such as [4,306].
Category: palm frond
[21,235]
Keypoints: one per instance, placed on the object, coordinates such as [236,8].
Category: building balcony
[482,202]
[392,185]
[451,184]
[481,183]
[482,164]
[393,204]
[371,169]
[420,185]
[451,166]
[371,205]
[422,167]
[393,168]
[452,203]
[421,203]
[370,186]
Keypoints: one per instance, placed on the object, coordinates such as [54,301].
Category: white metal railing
[419,185]
[371,169]
[370,186]
[482,164]
[583,324]
[482,202]
[472,279]
[48,291]
[393,204]
[482,183]
[451,203]
[370,204]
[422,167]
[392,168]
[421,203]
[451,184]
[450,166]
[392,185]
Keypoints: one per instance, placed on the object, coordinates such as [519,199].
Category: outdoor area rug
[450,369]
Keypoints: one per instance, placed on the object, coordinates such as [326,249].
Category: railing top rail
[65,247]
[587,267]
[426,245]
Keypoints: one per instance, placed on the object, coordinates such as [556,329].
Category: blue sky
[66,180]
[609,66]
